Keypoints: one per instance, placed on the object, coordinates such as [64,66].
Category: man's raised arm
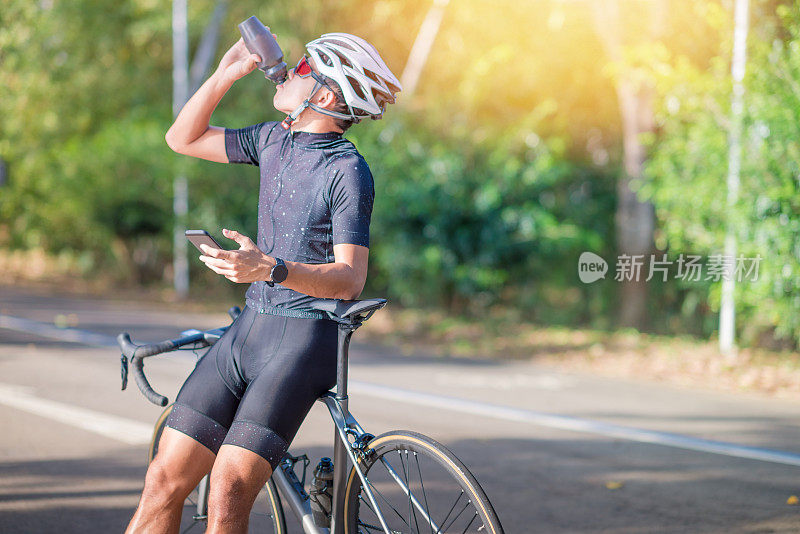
[191,134]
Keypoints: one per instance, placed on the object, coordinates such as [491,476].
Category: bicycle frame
[345,425]
[343,450]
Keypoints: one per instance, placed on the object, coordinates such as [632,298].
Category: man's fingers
[219,270]
[242,240]
[219,263]
[216,252]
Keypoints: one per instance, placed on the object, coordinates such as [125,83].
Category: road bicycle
[397,482]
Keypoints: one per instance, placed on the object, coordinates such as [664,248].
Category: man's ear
[326,98]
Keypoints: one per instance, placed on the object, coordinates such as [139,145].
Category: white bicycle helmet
[367,83]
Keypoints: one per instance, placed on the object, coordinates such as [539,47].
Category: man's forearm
[343,279]
[193,119]
[323,280]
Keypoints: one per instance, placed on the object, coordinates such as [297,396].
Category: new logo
[591,267]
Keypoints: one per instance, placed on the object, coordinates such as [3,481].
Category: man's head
[343,78]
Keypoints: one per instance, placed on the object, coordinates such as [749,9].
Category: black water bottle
[259,40]
[321,493]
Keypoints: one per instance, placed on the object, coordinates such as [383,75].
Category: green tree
[688,167]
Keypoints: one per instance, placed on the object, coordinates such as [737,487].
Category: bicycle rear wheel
[266,515]
[442,495]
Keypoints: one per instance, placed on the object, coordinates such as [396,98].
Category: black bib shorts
[254,387]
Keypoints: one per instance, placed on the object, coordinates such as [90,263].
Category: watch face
[279,273]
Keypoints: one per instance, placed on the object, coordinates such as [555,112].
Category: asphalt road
[555,452]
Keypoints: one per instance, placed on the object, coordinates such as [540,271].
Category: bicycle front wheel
[419,486]
[266,515]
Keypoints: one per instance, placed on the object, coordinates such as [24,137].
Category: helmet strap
[287,122]
[333,113]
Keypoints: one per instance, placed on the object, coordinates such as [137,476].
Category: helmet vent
[346,45]
[382,99]
[356,87]
[371,76]
[344,60]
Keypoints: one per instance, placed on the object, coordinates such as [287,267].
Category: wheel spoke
[370,527]
[424,496]
[406,471]
[431,501]
[377,492]
[453,507]
[393,473]
[365,501]
[470,522]
[456,516]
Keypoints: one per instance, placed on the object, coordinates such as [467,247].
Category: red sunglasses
[303,67]
[303,70]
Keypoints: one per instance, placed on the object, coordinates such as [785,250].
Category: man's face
[292,92]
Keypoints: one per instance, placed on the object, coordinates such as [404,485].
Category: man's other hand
[238,61]
[243,266]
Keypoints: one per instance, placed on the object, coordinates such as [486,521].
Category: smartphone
[201,237]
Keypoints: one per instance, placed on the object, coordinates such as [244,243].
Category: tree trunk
[634,220]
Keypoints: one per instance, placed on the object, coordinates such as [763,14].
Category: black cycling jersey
[316,192]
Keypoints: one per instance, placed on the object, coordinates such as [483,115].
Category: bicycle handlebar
[137,353]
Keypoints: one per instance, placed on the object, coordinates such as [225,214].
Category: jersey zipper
[272,211]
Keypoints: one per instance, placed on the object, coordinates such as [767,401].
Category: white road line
[53,332]
[110,426]
[133,430]
[574,424]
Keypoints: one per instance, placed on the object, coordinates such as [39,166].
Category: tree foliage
[689,164]
[490,180]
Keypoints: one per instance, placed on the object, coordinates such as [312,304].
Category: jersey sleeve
[351,194]
[242,144]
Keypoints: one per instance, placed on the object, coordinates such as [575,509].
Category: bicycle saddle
[350,311]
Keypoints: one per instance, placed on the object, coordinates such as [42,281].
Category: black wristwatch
[278,273]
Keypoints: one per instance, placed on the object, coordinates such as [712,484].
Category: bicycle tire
[360,517]
[271,499]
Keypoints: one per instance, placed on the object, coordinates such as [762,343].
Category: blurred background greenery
[491,179]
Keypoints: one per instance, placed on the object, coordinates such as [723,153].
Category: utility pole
[181,85]
[727,321]
[180,188]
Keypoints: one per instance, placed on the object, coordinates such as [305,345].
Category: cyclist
[242,405]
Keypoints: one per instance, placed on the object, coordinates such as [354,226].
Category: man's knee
[237,477]
[178,467]
[165,485]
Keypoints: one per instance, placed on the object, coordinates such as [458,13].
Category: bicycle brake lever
[124,370]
